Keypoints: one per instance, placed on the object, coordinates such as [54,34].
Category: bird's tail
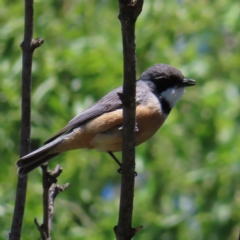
[36,158]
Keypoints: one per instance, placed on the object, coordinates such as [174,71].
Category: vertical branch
[28,45]
[128,13]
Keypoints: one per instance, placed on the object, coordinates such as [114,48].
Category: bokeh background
[188,183]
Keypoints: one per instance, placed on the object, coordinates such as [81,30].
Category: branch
[28,45]
[50,192]
[128,13]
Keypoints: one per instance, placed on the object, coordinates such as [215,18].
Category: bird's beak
[187,82]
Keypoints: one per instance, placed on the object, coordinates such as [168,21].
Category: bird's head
[167,82]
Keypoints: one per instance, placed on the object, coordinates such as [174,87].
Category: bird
[99,127]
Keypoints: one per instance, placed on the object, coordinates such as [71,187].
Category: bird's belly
[149,120]
[103,133]
[110,140]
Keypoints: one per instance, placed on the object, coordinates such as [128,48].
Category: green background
[188,183]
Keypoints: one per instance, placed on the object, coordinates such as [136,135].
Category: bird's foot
[136,129]
[120,172]
[119,163]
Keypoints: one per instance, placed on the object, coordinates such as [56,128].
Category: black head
[165,76]
[167,83]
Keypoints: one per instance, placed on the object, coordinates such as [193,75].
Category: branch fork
[50,192]
[35,43]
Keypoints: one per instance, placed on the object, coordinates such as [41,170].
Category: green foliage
[188,174]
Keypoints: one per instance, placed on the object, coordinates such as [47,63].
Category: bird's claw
[136,129]
[120,172]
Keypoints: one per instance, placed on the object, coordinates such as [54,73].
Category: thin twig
[53,192]
[50,192]
[39,228]
[28,45]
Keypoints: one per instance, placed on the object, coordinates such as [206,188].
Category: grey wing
[108,103]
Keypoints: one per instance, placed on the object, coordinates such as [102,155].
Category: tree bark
[28,45]
[128,13]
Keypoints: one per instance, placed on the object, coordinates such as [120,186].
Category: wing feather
[108,103]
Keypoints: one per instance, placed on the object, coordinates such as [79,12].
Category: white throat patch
[173,95]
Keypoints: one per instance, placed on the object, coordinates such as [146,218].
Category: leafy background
[188,184]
